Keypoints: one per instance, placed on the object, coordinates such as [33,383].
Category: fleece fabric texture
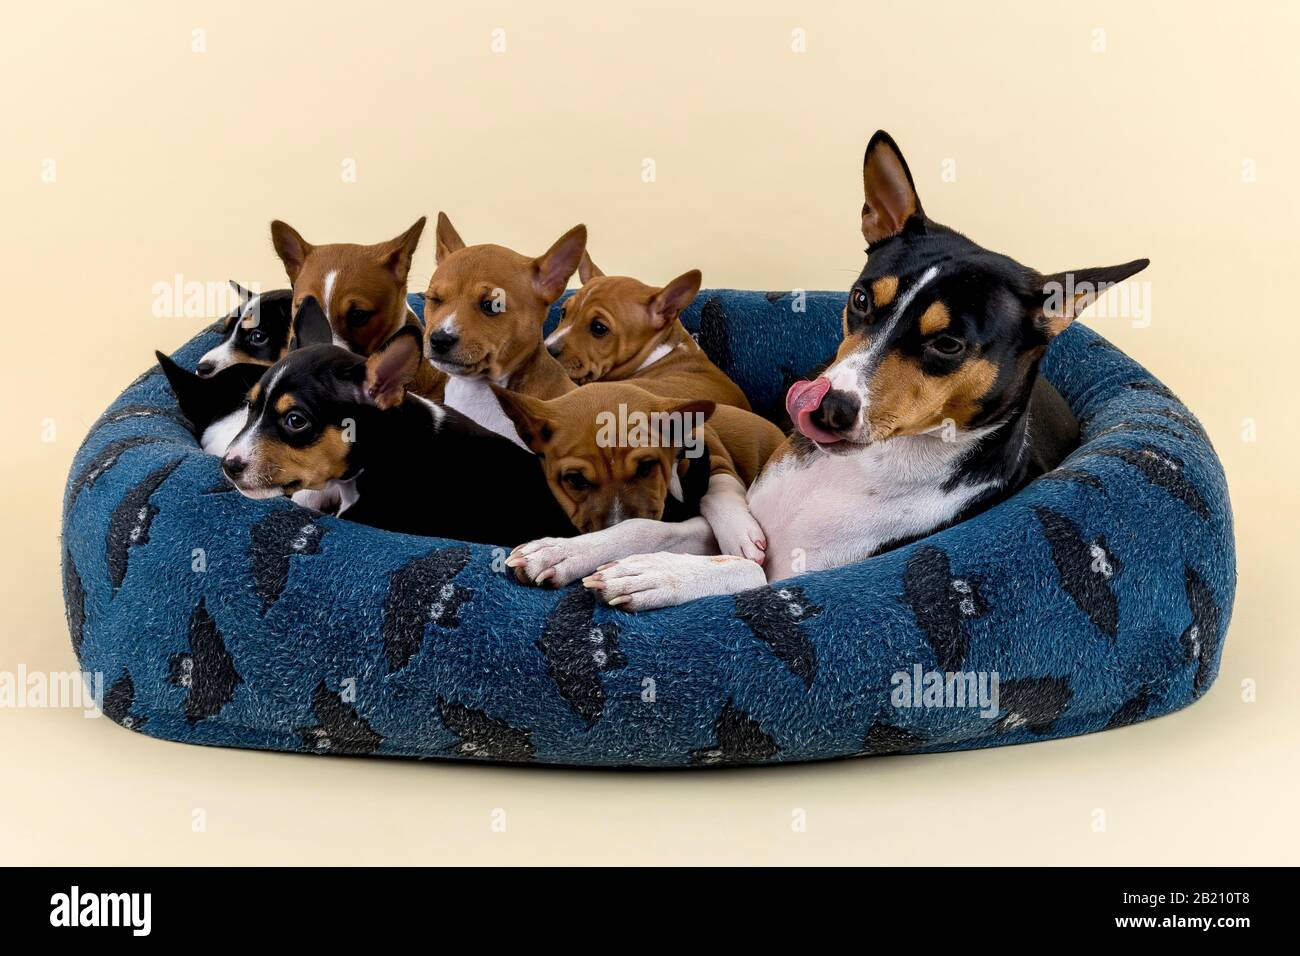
[1099,596]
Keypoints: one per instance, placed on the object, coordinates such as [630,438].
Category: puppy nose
[233,466]
[204,369]
[555,349]
[837,412]
[440,343]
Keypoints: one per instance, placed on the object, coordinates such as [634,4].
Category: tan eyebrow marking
[254,393]
[935,319]
[883,291]
[284,403]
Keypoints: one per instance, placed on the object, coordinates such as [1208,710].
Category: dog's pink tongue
[801,401]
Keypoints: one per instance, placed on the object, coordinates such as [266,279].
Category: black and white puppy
[215,405]
[325,418]
[256,332]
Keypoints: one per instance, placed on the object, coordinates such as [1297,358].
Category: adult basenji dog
[324,416]
[931,411]
[483,316]
[616,328]
[216,404]
[256,331]
[614,461]
[360,288]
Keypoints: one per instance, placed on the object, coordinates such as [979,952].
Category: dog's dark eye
[256,337]
[576,480]
[488,307]
[948,345]
[599,328]
[645,468]
[296,422]
[860,301]
[563,311]
[432,300]
[358,317]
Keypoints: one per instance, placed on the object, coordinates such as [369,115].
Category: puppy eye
[860,301]
[488,307]
[948,345]
[599,328]
[432,300]
[576,480]
[645,468]
[357,317]
[256,337]
[563,311]
[296,422]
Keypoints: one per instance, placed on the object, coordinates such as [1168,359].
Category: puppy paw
[642,582]
[736,530]
[551,562]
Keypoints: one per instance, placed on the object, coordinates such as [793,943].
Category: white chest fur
[473,398]
[833,509]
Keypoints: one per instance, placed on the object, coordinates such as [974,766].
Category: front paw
[642,582]
[737,531]
[551,562]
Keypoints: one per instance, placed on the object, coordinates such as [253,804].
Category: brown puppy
[362,289]
[485,307]
[613,453]
[615,328]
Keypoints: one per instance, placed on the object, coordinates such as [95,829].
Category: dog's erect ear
[446,239]
[396,254]
[530,416]
[669,301]
[291,247]
[310,326]
[552,269]
[891,197]
[691,414]
[1063,295]
[244,294]
[587,270]
[391,369]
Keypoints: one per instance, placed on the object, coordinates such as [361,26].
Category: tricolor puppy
[325,418]
[257,331]
[615,328]
[361,289]
[634,470]
[931,411]
[216,404]
[483,316]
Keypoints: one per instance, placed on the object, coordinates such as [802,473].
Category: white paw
[554,562]
[735,528]
[643,582]
[326,501]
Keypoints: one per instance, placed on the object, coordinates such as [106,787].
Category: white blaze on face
[850,374]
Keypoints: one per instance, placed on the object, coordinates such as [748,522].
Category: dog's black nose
[233,466]
[555,349]
[204,369]
[440,343]
[838,411]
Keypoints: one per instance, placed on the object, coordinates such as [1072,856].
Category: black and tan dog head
[486,304]
[612,322]
[610,450]
[256,332]
[361,289]
[938,331]
[310,413]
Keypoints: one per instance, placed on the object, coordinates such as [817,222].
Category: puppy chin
[260,492]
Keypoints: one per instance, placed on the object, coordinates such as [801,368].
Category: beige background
[169,160]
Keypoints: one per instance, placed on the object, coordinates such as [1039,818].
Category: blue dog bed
[1099,596]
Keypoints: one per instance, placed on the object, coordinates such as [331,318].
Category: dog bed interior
[1098,596]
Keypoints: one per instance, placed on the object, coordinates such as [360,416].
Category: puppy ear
[529,415]
[310,325]
[587,270]
[1063,295]
[391,369]
[692,415]
[244,294]
[446,239]
[396,253]
[552,269]
[891,198]
[291,247]
[669,301]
